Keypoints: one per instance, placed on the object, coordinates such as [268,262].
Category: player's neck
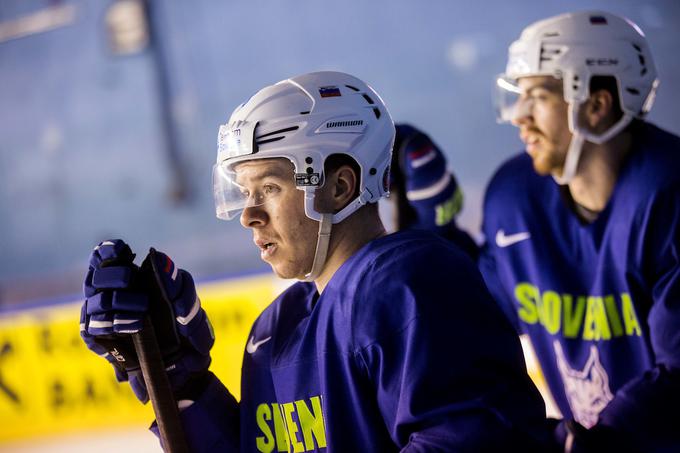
[598,171]
[347,237]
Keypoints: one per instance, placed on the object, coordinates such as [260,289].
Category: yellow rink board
[51,383]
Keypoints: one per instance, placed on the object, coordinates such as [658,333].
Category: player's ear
[338,189]
[599,111]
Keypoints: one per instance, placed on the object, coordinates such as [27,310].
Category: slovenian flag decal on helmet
[329,92]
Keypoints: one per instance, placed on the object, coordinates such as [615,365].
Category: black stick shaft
[160,392]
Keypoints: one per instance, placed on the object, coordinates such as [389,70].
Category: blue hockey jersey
[600,301]
[403,351]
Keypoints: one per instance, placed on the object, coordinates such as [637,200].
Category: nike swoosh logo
[251,347]
[505,241]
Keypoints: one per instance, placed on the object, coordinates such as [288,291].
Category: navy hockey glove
[120,294]
[115,302]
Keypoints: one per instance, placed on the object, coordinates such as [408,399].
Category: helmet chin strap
[579,137]
[571,160]
[326,221]
[321,252]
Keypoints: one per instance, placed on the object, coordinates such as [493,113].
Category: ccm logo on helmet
[602,62]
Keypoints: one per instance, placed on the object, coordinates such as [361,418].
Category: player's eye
[270,189]
[538,94]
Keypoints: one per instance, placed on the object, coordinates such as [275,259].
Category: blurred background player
[365,352]
[424,193]
[583,230]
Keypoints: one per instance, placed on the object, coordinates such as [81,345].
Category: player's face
[285,236]
[542,122]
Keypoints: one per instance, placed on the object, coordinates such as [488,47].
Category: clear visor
[507,99]
[231,198]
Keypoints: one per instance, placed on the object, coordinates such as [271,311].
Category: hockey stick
[148,351]
[160,392]
[147,346]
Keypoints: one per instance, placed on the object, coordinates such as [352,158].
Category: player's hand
[120,294]
[115,303]
[422,178]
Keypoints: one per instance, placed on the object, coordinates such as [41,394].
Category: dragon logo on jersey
[587,389]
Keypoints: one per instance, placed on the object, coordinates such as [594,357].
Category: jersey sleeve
[462,239]
[211,423]
[498,196]
[487,266]
[446,366]
[646,408]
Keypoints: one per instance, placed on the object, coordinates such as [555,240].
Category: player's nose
[522,113]
[253,216]
[521,119]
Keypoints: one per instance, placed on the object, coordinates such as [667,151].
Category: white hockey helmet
[574,47]
[305,119]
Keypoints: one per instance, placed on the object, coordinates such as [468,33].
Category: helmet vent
[551,34]
[352,88]
[633,91]
[548,53]
[280,131]
[269,140]
[641,58]
[598,20]
[304,113]
[376,111]
[368,99]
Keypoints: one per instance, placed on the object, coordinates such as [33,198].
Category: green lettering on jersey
[630,319]
[551,311]
[527,296]
[573,316]
[613,315]
[264,443]
[590,317]
[293,429]
[280,428]
[596,326]
[312,422]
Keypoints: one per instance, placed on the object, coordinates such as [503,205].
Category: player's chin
[541,168]
[542,163]
[286,271]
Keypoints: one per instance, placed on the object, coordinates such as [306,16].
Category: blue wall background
[83,149]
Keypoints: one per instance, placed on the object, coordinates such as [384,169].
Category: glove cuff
[195,386]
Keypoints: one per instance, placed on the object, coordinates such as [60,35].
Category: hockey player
[584,248]
[386,343]
[425,194]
